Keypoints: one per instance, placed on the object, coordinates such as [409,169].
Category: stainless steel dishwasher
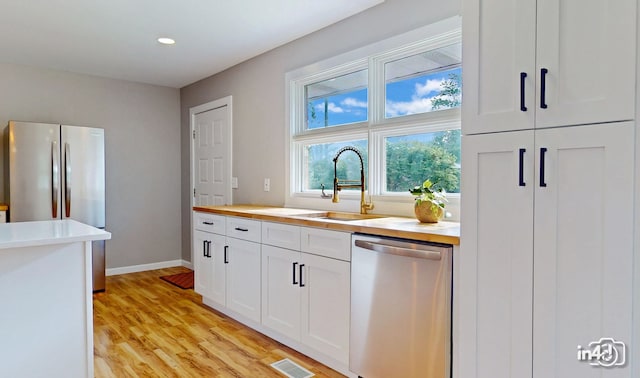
[400,308]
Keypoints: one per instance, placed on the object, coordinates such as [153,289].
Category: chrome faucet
[337,186]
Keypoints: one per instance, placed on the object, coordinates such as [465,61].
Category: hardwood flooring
[146,327]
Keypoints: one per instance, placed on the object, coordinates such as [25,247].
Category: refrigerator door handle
[55,179]
[67,180]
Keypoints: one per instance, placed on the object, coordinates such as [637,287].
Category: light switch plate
[267,184]
[234,183]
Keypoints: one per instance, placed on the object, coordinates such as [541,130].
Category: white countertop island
[46,311]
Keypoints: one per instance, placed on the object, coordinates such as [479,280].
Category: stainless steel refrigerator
[58,172]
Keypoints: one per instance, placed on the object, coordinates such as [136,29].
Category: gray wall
[258,91]
[142,151]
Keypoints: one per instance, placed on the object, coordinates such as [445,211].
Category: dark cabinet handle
[523,76]
[521,168]
[543,152]
[301,284]
[543,87]
[242,229]
[208,223]
[208,248]
[294,273]
[204,248]
[226,249]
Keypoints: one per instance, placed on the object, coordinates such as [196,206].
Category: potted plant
[430,202]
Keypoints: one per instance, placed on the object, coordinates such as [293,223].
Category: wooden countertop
[399,227]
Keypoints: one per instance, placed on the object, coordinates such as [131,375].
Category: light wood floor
[146,327]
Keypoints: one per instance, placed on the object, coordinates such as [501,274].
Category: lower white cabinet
[306,298]
[227,269]
[243,277]
[209,265]
[546,250]
[292,280]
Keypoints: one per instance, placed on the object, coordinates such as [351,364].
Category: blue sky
[410,96]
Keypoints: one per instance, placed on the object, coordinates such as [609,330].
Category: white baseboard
[145,267]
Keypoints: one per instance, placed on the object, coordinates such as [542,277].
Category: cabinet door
[281,290]
[589,49]
[202,264]
[583,246]
[243,278]
[496,256]
[326,305]
[217,288]
[498,45]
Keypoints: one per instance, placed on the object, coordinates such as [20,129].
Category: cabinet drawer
[242,228]
[334,244]
[281,235]
[209,223]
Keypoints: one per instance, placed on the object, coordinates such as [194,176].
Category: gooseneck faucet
[337,186]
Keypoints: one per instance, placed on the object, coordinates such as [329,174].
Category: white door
[281,290]
[496,255]
[326,297]
[583,247]
[243,278]
[588,49]
[499,47]
[211,167]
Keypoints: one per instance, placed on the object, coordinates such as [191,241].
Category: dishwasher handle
[417,250]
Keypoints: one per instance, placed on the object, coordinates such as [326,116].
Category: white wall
[258,90]
[142,137]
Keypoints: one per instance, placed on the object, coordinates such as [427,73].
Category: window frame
[375,129]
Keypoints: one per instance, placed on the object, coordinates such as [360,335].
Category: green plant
[429,192]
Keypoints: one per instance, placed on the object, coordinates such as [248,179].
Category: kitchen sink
[340,216]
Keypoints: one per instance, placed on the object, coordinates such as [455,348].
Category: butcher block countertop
[399,227]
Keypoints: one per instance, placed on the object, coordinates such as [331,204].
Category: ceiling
[118,38]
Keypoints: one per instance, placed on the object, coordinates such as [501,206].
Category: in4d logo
[605,352]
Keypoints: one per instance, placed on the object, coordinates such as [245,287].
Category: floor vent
[291,369]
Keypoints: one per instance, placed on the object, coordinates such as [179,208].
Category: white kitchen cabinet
[227,269]
[306,296]
[546,254]
[326,305]
[243,277]
[586,50]
[281,290]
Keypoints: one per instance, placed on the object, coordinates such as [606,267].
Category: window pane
[337,101]
[424,82]
[411,159]
[318,163]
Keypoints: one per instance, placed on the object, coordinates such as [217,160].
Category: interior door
[34,171]
[83,175]
[211,159]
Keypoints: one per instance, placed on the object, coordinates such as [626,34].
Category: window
[337,101]
[399,106]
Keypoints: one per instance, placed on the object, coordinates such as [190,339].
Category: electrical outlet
[234,183]
[267,184]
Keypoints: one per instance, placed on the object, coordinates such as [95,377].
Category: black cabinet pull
[543,87]
[523,76]
[204,248]
[208,223]
[208,248]
[301,284]
[226,249]
[294,273]
[521,168]
[543,151]
[242,229]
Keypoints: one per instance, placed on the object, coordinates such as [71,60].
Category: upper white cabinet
[536,64]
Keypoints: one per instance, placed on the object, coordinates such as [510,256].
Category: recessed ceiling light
[166,41]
